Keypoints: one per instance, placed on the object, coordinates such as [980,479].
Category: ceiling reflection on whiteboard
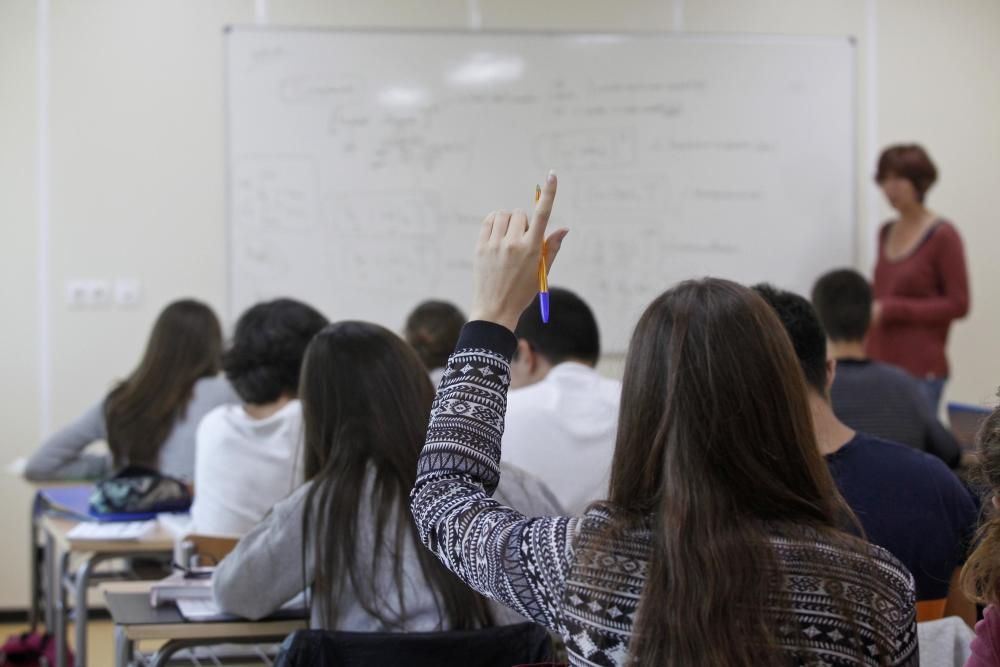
[487,68]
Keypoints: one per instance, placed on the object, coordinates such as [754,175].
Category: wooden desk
[145,623]
[58,550]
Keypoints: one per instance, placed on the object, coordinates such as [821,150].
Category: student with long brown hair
[347,534]
[149,419]
[981,575]
[719,543]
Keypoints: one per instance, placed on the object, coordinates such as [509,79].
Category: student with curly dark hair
[248,455]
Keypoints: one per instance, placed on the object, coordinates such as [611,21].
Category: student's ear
[831,373]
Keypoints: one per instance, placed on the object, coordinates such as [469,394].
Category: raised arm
[520,562]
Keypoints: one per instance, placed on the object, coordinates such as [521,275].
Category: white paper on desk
[111,531]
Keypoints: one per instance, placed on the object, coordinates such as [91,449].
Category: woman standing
[920,283]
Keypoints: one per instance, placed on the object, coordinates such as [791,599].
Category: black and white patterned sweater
[549,570]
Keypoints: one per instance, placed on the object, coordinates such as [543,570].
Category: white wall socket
[128,293]
[88,293]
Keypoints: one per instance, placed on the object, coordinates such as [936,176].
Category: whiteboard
[360,163]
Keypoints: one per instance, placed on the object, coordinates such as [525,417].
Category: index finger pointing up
[543,209]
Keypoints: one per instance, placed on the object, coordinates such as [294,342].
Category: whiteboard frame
[708,37]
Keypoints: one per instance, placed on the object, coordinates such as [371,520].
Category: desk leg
[61,612]
[82,584]
[124,648]
[52,583]
[36,575]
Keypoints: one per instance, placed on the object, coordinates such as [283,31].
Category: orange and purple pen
[543,279]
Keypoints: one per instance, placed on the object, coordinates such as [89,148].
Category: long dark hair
[981,573]
[184,346]
[366,401]
[715,452]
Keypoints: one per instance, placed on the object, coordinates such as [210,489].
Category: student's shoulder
[214,390]
[527,399]
[216,422]
[812,550]
[891,373]
[906,463]
[610,388]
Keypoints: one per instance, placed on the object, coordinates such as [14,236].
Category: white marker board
[360,163]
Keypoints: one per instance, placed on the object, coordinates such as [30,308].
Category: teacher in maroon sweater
[920,284]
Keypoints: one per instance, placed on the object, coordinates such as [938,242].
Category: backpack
[31,649]
[139,490]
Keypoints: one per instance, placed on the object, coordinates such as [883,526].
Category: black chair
[502,646]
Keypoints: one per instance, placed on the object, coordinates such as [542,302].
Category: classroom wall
[137,168]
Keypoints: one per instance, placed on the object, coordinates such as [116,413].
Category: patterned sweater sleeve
[523,563]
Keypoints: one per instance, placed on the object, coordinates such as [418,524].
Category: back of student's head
[265,356]
[981,574]
[805,331]
[366,400]
[433,329]
[571,333]
[715,444]
[184,346]
[843,302]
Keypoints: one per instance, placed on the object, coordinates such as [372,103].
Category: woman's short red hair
[909,161]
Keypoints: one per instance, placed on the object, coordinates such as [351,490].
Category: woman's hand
[876,313]
[506,265]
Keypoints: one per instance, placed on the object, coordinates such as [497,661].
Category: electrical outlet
[100,293]
[88,293]
[77,293]
[128,293]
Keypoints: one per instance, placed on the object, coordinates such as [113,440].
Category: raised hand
[506,265]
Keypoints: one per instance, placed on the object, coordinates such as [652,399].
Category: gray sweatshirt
[62,456]
[266,569]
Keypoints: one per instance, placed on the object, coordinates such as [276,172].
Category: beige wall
[137,163]
[18,293]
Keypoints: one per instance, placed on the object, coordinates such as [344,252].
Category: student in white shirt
[562,416]
[248,456]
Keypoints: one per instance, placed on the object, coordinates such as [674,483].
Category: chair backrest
[501,646]
[206,549]
[945,642]
[931,610]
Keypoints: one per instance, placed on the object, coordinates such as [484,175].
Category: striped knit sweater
[552,570]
